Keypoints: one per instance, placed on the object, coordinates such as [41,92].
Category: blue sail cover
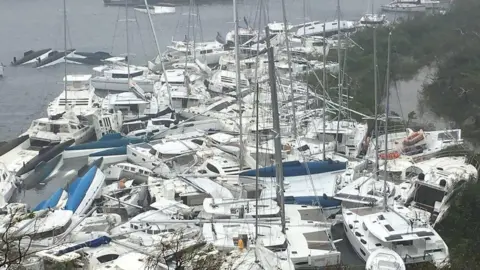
[297,168]
[76,197]
[50,202]
[121,150]
[105,144]
[92,244]
[111,136]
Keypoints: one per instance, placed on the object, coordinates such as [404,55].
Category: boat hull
[121,85]
[32,57]
[54,59]
[393,8]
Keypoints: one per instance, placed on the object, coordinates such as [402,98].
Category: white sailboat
[79,95]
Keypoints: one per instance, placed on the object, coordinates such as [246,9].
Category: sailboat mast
[324,109]
[387,103]
[65,51]
[276,129]
[290,77]
[237,81]
[375,86]
[128,43]
[340,71]
[159,51]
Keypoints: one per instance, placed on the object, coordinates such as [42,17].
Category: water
[37,24]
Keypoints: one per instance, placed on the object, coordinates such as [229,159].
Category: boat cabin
[118,71]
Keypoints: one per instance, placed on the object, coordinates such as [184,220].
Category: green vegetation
[450,43]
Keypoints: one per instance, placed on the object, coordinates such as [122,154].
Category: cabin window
[197,141]
[107,258]
[100,123]
[389,228]
[212,168]
[125,76]
[141,133]
[363,252]
[363,241]
[448,136]
[405,243]
[142,171]
[73,127]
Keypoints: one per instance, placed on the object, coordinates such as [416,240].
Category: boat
[88,58]
[128,2]
[31,57]
[373,19]
[59,128]
[132,105]
[316,28]
[110,156]
[396,228]
[384,259]
[86,149]
[41,172]
[398,6]
[429,4]
[208,53]
[83,191]
[160,9]
[53,58]
[115,77]
[79,95]
[128,170]
[44,156]
[7,185]
[299,177]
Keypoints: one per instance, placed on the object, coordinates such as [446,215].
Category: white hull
[355,243]
[15,158]
[404,8]
[42,57]
[121,85]
[58,61]
[157,10]
[107,160]
[67,154]
[93,190]
[6,191]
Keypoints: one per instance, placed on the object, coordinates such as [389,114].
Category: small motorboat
[163,9]
[88,58]
[398,6]
[31,57]
[53,58]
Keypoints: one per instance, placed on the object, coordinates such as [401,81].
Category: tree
[14,247]
[185,251]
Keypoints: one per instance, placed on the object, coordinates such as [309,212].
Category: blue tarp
[105,144]
[50,202]
[121,150]
[297,168]
[76,197]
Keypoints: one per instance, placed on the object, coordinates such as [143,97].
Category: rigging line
[115,31]
[141,37]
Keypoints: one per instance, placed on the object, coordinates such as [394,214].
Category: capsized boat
[53,58]
[31,56]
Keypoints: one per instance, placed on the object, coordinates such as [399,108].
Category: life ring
[414,138]
[388,156]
